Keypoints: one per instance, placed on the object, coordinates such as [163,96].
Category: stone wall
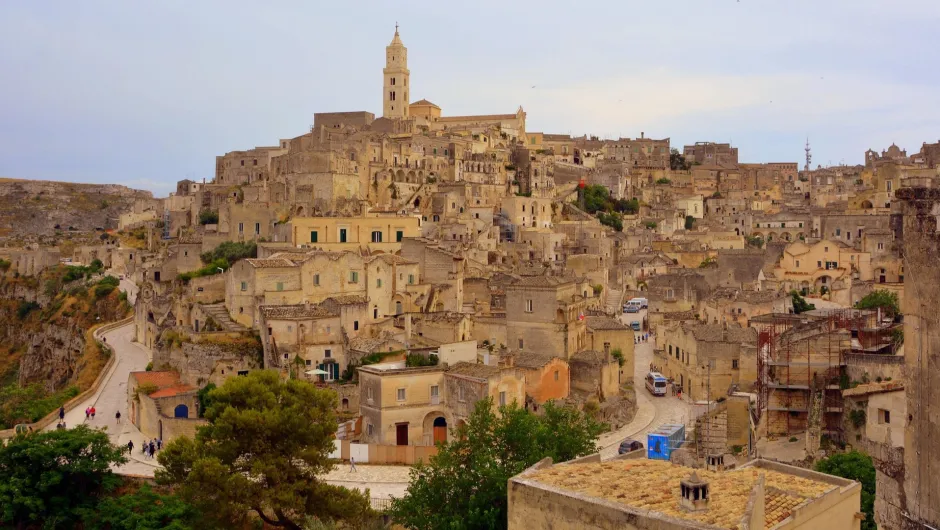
[209,360]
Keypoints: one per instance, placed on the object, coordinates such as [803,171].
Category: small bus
[656,383]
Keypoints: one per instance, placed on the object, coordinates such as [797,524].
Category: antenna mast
[809,156]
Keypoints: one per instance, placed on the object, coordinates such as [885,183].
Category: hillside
[32,208]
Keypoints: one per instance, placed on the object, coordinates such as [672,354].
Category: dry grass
[91,363]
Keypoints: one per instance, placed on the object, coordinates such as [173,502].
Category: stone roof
[541,281]
[295,311]
[475,370]
[267,263]
[425,102]
[531,360]
[367,344]
[874,388]
[391,259]
[654,486]
[348,299]
[591,357]
[719,333]
[604,323]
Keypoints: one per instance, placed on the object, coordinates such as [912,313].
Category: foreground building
[658,495]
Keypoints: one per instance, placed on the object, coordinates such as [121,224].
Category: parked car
[631,308]
[635,325]
[629,445]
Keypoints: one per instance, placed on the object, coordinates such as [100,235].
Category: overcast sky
[147,93]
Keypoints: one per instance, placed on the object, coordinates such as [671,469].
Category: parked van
[656,383]
[635,325]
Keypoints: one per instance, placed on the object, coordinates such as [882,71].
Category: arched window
[398,308]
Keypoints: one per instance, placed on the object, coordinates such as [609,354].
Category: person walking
[87,412]
[130,446]
[117,417]
[153,448]
[352,465]
[62,413]
[159,444]
[92,412]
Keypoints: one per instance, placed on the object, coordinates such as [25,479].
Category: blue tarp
[664,440]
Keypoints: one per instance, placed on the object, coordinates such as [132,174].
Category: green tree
[612,220]
[208,217]
[205,398]
[464,485]
[885,300]
[50,478]
[754,241]
[231,251]
[145,509]
[265,446]
[596,198]
[855,466]
[800,305]
[677,160]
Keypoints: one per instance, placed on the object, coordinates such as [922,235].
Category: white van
[641,303]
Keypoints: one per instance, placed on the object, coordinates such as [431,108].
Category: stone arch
[867,205]
[181,411]
[417,202]
[412,177]
[400,175]
[785,236]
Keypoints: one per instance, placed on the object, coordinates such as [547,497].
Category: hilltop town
[770,313]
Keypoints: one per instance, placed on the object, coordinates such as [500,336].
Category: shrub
[663,180]
[208,217]
[794,439]
[25,308]
[5,265]
[102,291]
[881,299]
[651,225]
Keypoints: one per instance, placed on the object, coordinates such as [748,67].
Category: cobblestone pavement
[651,411]
[381,481]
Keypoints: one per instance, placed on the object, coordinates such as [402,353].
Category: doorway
[440,430]
[401,434]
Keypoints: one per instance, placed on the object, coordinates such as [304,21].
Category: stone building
[546,377]
[545,314]
[703,358]
[161,406]
[609,335]
[587,493]
[595,374]
[710,153]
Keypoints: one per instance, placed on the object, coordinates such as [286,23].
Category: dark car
[629,445]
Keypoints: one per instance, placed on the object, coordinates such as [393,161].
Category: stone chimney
[642,134]
[694,494]
[307,304]
[715,462]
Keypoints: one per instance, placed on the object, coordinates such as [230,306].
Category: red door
[401,434]
[440,430]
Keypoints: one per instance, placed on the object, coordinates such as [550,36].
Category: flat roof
[654,486]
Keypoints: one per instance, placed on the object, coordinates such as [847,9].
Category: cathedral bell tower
[395,85]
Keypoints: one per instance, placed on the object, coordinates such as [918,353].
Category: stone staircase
[614,303]
[221,317]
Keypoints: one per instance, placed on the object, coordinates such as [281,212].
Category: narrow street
[652,411]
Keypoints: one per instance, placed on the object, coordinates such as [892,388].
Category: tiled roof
[605,323]
[295,311]
[425,102]
[348,299]
[392,259]
[162,379]
[654,485]
[591,357]
[263,263]
[479,371]
[366,344]
[171,391]
[874,388]
[541,281]
[532,360]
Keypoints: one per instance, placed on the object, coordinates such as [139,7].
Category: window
[881,246]
[460,394]
[378,282]
[254,162]
[257,228]
[411,279]
[313,236]
[797,263]
[376,236]
[369,396]
[670,349]
[308,362]
[316,279]
[401,394]
[502,399]
[356,325]
[435,393]
[369,428]
[241,228]
[520,344]
[375,312]
[399,235]
[838,233]
[393,81]
[556,375]
[290,328]
[884,416]
[734,364]
[328,354]
[528,306]
[269,331]
[280,286]
[244,286]
[353,276]
[342,235]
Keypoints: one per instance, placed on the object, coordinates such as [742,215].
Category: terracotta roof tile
[171,391]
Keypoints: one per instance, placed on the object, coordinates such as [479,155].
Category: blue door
[181,411]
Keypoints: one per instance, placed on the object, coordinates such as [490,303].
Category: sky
[147,93]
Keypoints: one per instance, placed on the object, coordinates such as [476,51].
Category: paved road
[651,411]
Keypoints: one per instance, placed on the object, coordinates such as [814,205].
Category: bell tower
[395,85]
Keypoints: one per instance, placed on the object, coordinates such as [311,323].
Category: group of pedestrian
[641,338]
[90,412]
[150,448]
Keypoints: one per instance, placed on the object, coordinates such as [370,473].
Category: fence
[872,358]
[380,504]
[382,454]
[87,393]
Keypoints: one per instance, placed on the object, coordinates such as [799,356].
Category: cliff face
[39,208]
[43,329]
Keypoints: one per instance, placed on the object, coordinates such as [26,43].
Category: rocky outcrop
[30,208]
[52,356]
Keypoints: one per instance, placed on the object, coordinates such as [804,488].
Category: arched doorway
[181,411]
[417,202]
[440,430]
[345,403]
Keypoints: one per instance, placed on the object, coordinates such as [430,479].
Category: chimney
[694,494]
[715,462]
[407,326]
[306,304]
[642,134]
[607,348]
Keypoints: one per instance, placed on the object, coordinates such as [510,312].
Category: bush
[857,417]
[855,466]
[885,300]
[414,360]
[612,220]
[754,241]
[25,308]
[800,305]
[652,225]
[102,291]
[5,265]
[208,217]
[96,265]
[663,180]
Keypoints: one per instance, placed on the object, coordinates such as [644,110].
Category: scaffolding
[801,370]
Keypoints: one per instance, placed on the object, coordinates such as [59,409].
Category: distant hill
[40,207]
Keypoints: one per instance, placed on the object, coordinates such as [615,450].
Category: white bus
[656,383]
